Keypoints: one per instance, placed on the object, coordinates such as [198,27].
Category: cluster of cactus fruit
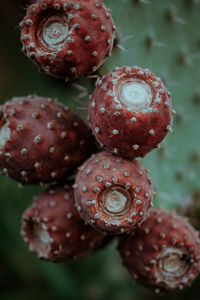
[43,142]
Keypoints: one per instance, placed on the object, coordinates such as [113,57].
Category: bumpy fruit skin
[41,141]
[130,111]
[113,194]
[53,229]
[67,39]
[164,253]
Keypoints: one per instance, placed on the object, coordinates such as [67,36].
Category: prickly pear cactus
[160,35]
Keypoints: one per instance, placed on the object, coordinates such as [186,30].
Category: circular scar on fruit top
[53,31]
[135,94]
[172,265]
[115,201]
[39,237]
[5,132]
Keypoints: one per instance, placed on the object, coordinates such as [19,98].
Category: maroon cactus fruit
[113,194]
[130,111]
[67,39]
[41,141]
[164,253]
[53,229]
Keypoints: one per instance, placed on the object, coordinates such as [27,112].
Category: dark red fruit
[53,229]
[130,111]
[164,253]
[68,39]
[41,141]
[113,194]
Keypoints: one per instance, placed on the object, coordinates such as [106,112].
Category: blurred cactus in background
[162,36]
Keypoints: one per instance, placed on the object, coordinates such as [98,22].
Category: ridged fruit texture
[53,229]
[164,253]
[41,141]
[113,194]
[68,39]
[130,111]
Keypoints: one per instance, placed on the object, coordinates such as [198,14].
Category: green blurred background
[160,35]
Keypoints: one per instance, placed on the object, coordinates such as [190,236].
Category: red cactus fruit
[164,253]
[41,141]
[130,111]
[113,194]
[67,39]
[53,229]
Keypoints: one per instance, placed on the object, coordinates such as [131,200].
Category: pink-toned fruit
[41,141]
[130,111]
[113,194]
[53,229]
[164,253]
[67,39]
